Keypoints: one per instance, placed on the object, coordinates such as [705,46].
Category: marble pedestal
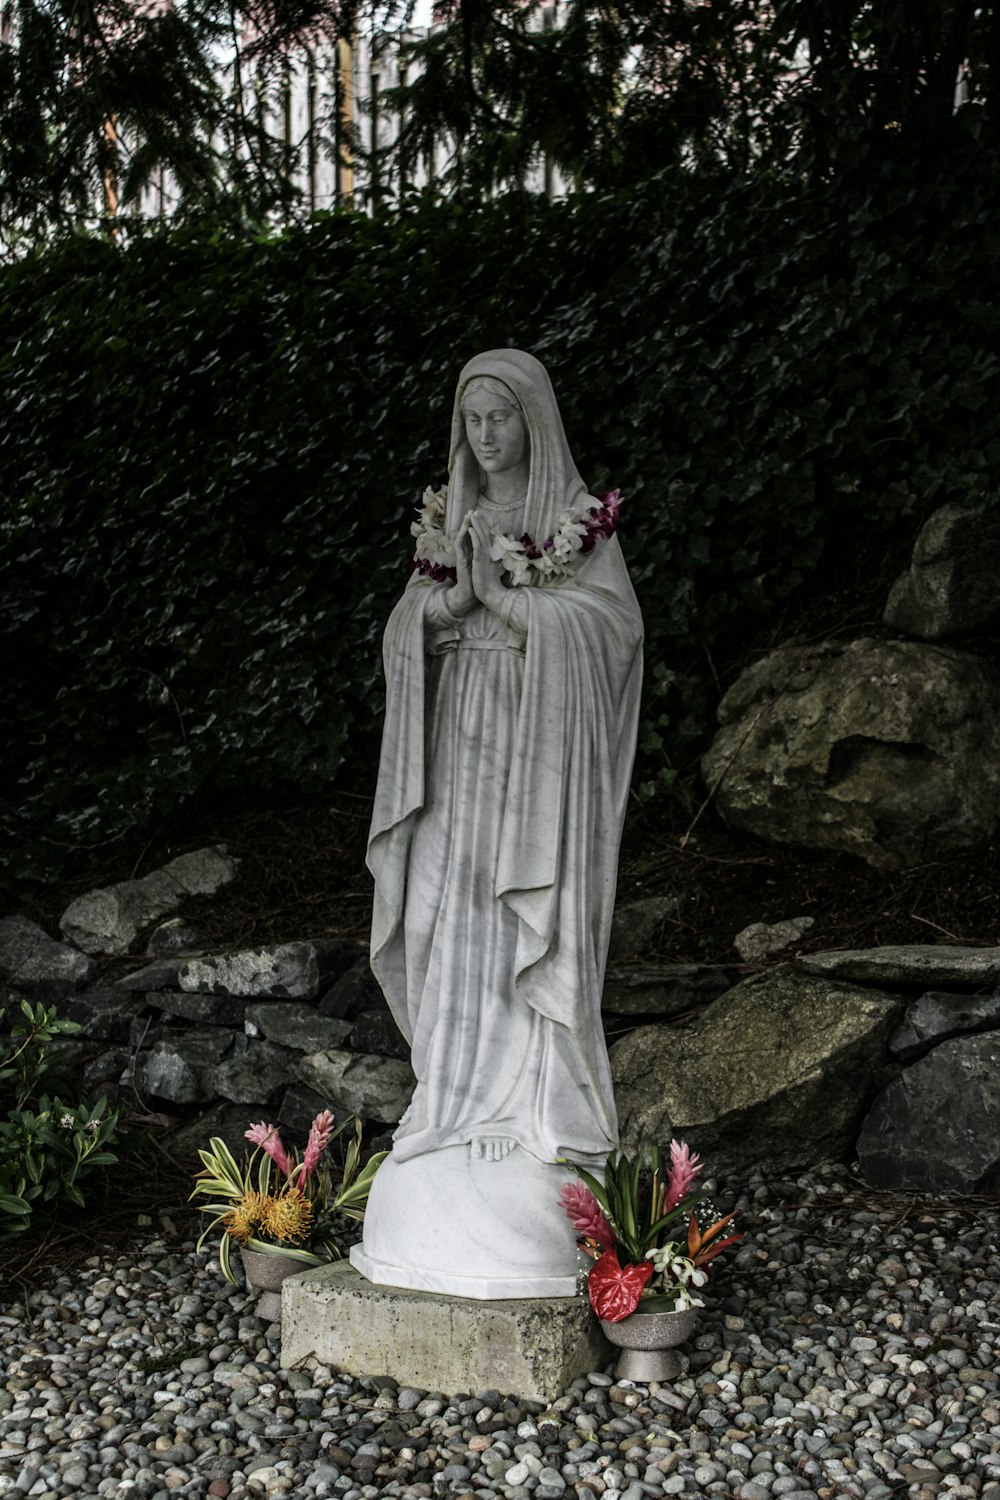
[530,1348]
[450,1222]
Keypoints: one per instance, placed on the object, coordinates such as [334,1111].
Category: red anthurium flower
[615,1290]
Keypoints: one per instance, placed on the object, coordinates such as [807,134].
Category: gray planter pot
[265,1274]
[648,1341]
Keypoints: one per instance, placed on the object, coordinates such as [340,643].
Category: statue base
[532,1349]
[453,1223]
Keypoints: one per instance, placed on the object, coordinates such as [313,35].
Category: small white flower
[432,544]
[436,503]
[684,1299]
[545,565]
[663,1255]
[677,1274]
[508,552]
[502,546]
[67,1122]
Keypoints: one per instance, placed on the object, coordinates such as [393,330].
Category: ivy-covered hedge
[212,449]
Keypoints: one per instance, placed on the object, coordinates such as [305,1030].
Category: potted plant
[652,1235]
[285,1214]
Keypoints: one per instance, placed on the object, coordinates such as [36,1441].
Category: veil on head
[554,484]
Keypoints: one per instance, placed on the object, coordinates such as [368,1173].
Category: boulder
[376,1088]
[253,1074]
[927,964]
[66,1056]
[780,1070]
[376,1031]
[161,975]
[936,1128]
[287,971]
[951,583]
[109,920]
[228,1121]
[292,1024]
[935,1017]
[147,1029]
[298,1108]
[763,938]
[663,990]
[181,1069]
[355,991]
[102,1074]
[36,964]
[104,1015]
[174,936]
[635,927]
[889,750]
[207,1010]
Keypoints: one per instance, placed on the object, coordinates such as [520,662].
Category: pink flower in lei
[600,520]
[267,1137]
[605,520]
[320,1132]
[586,1215]
[685,1165]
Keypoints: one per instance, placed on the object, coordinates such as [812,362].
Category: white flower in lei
[521,558]
[434,554]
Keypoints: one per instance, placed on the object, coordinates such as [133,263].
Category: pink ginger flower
[320,1132]
[684,1168]
[267,1137]
[586,1215]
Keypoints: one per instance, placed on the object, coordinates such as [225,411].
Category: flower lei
[522,558]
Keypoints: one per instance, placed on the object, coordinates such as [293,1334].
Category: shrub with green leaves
[47,1143]
[214,447]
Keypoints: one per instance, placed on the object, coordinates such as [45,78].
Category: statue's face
[495,430]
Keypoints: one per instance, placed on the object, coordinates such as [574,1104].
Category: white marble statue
[513,670]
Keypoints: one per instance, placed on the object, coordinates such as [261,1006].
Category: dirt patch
[302,874]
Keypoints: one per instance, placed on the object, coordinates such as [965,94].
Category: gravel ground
[850,1349]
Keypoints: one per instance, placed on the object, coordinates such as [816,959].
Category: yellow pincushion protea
[302,1211]
[289,1218]
[249,1214]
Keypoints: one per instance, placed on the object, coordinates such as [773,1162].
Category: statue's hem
[481,1288]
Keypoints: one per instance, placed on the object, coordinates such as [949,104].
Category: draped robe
[494,847]
[504,774]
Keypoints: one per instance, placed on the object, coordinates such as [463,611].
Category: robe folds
[506,758]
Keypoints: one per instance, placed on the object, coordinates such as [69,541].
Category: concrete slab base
[527,1347]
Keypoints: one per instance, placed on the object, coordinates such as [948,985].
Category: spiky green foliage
[632,1196]
[48,1143]
[338,1196]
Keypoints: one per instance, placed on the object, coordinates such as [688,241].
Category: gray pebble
[843,1349]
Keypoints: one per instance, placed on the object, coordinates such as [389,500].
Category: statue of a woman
[513,671]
